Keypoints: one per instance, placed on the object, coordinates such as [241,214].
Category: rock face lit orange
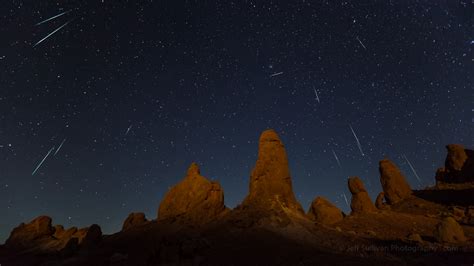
[324,212]
[270,180]
[394,183]
[195,200]
[360,202]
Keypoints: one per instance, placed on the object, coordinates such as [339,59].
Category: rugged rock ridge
[39,234]
[194,201]
[270,219]
[24,235]
[360,202]
[458,167]
[394,184]
[270,181]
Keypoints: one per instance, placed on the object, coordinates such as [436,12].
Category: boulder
[448,230]
[458,166]
[324,212]
[195,200]
[415,238]
[360,202]
[133,220]
[393,182]
[270,181]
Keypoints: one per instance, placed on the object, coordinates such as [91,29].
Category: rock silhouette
[133,220]
[459,165]
[324,212]
[270,180]
[195,200]
[393,182]
[360,202]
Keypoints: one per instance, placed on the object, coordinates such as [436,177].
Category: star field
[138,90]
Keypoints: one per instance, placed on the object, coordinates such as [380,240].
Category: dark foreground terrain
[434,226]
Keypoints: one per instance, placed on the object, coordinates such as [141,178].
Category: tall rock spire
[270,180]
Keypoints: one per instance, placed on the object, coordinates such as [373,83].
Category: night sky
[137,90]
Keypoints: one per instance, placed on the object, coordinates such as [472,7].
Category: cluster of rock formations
[41,236]
[197,202]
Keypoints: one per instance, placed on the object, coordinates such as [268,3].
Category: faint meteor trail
[345,198]
[337,159]
[49,35]
[317,96]
[128,130]
[361,43]
[357,140]
[51,18]
[42,161]
[276,74]
[60,146]
[412,168]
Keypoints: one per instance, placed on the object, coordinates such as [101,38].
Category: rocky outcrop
[133,220]
[194,201]
[394,184]
[458,166]
[324,212]
[449,231]
[26,235]
[40,235]
[93,236]
[360,202]
[270,181]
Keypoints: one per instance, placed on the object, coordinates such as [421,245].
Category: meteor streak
[42,161]
[357,140]
[49,35]
[317,96]
[412,168]
[51,18]
[59,147]
[276,74]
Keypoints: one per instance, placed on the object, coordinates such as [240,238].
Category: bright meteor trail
[412,168]
[51,18]
[56,30]
[60,146]
[357,140]
[42,161]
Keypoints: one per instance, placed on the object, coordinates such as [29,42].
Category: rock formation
[360,202]
[449,231]
[393,182]
[459,165]
[324,212]
[380,203]
[270,180]
[93,236]
[41,235]
[194,201]
[26,235]
[133,220]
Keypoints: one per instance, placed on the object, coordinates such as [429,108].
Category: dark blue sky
[195,81]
